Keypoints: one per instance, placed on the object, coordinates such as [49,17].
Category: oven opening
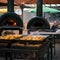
[10,23]
[38,25]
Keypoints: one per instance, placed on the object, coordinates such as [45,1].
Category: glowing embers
[11,23]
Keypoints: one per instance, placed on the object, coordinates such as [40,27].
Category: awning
[46,10]
[33,1]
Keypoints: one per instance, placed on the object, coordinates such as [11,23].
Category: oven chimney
[39,7]
[10,5]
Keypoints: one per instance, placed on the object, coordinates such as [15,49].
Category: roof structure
[32,1]
[3,1]
[51,1]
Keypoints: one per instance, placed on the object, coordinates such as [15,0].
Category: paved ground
[57,56]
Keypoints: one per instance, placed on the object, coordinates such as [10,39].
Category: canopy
[46,10]
[33,1]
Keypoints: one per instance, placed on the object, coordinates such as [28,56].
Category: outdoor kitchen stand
[37,52]
[6,49]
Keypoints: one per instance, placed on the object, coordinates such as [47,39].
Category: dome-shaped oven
[37,23]
[11,19]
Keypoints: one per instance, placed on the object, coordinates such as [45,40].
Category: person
[55,26]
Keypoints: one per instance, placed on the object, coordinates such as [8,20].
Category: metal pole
[10,5]
[39,7]
[22,7]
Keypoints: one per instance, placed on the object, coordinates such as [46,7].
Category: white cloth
[58,31]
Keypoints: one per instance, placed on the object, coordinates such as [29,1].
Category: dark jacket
[54,28]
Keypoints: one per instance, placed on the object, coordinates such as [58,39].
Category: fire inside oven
[11,23]
[11,20]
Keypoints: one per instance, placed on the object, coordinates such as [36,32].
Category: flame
[11,21]
[14,24]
